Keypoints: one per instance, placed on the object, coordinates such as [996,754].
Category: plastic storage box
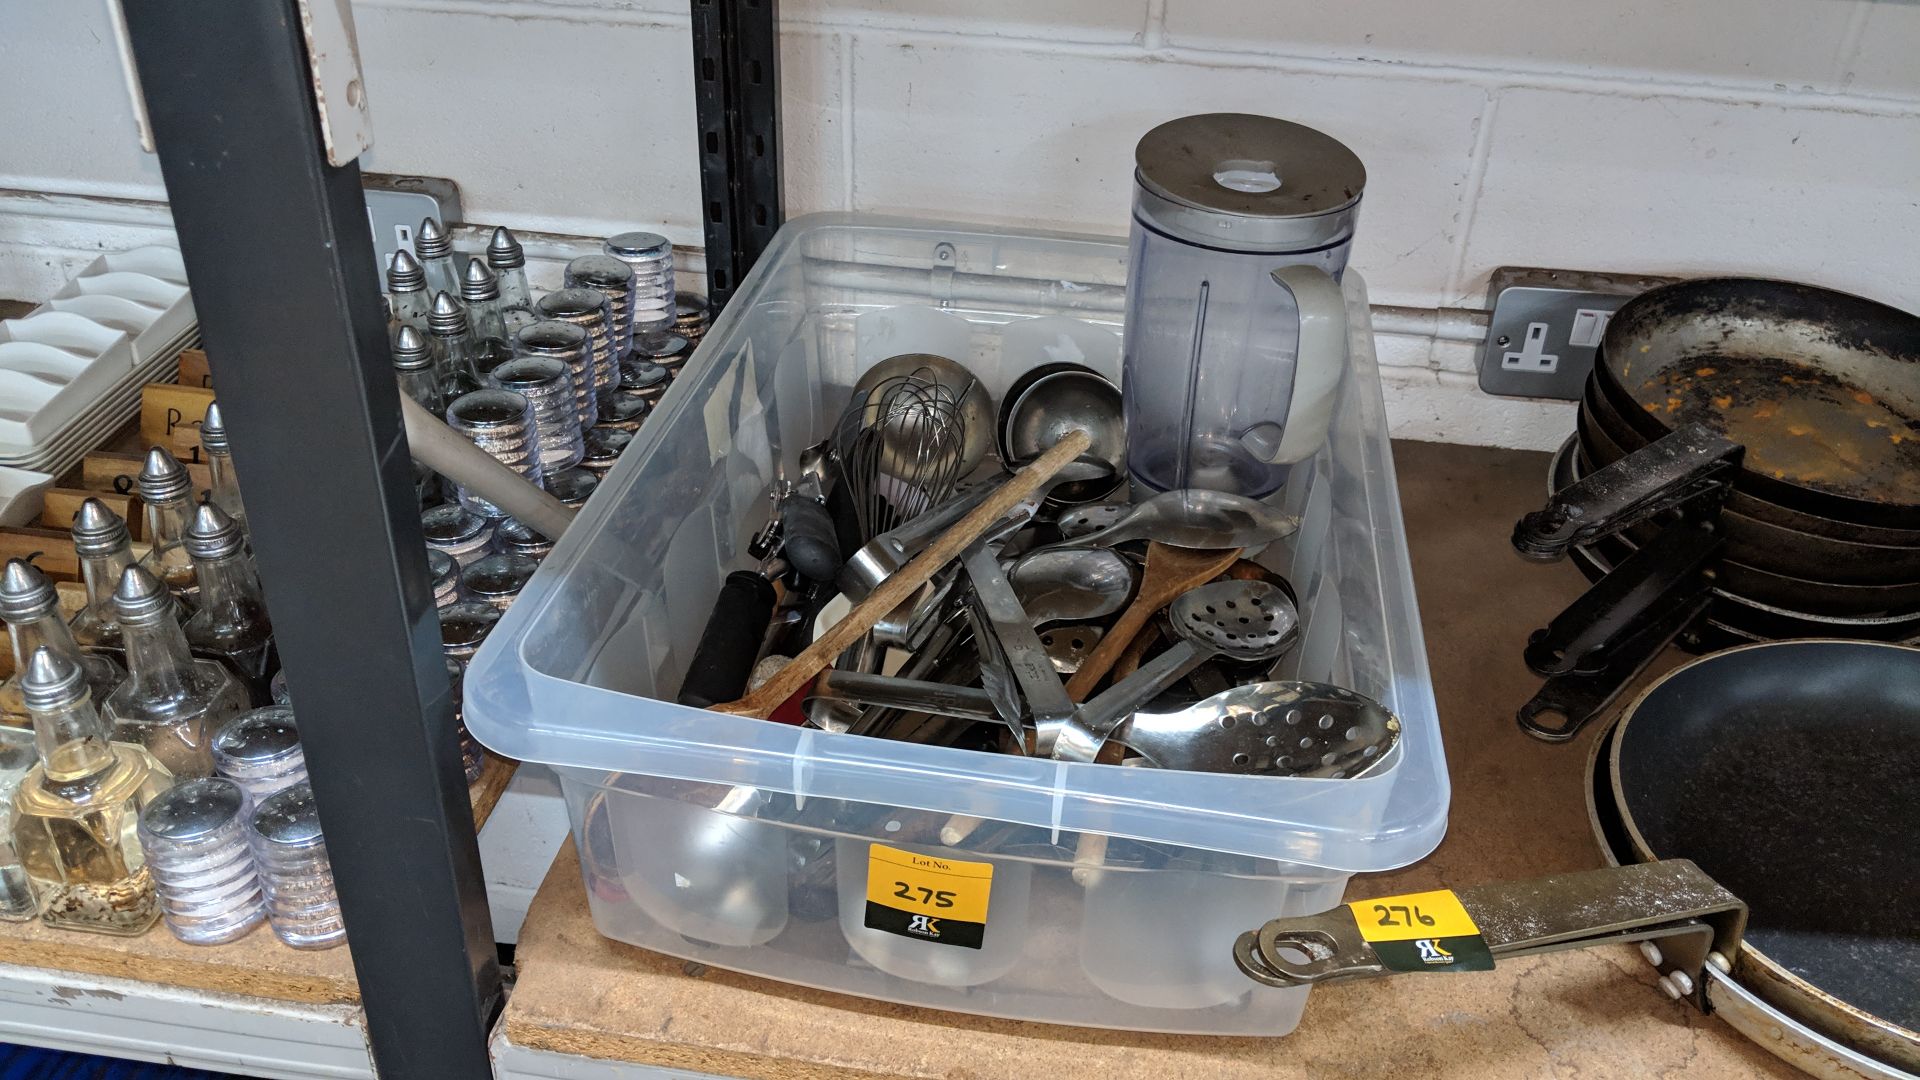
[1091,894]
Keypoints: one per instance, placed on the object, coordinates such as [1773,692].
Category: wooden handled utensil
[1170,571]
[908,579]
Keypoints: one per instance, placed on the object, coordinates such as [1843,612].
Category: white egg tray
[72,368]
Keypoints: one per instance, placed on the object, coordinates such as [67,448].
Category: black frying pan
[1764,534]
[1761,806]
[1790,773]
[1821,387]
[1832,600]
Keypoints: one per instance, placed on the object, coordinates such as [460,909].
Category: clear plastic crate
[581,672]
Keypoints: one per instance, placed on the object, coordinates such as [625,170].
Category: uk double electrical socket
[397,204]
[1547,326]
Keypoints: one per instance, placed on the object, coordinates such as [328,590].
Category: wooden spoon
[1170,571]
[904,582]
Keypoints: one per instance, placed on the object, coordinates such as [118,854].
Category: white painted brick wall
[1767,136]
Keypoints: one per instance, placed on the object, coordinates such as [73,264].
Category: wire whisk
[899,447]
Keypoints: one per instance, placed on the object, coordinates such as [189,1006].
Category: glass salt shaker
[644,378]
[571,345]
[194,836]
[456,360]
[650,256]
[459,532]
[691,316]
[167,490]
[615,279]
[260,751]
[473,759]
[517,538]
[481,293]
[670,351]
[508,261]
[435,250]
[573,487]
[413,365]
[547,384]
[445,571]
[501,423]
[498,578]
[290,855]
[623,410]
[231,625]
[590,310]
[172,702]
[601,447]
[462,629]
[407,290]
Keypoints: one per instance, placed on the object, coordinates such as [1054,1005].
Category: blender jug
[1236,330]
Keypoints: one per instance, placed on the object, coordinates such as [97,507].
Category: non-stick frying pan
[1788,773]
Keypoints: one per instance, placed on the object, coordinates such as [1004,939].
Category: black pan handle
[811,543]
[1595,648]
[1669,569]
[1690,470]
[723,661]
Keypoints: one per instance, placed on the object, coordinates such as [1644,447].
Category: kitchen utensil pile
[994,602]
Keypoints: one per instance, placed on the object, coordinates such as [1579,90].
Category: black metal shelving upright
[284,281]
[281,264]
[736,91]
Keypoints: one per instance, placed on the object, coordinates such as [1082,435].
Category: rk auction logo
[924,925]
[1431,952]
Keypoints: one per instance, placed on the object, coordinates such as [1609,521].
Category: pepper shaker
[260,751]
[500,422]
[615,279]
[572,346]
[650,256]
[457,531]
[290,855]
[546,383]
[194,837]
[590,310]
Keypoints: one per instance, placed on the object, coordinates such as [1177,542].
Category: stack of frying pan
[1798,450]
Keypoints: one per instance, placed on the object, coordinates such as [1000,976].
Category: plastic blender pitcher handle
[1318,365]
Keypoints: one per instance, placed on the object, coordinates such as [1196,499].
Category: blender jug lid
[1252,182]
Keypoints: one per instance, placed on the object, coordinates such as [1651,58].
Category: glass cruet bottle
[31,608]
[224,491]
[76,813]
[171,703]
[105,548]
[231,624]
[167,489]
